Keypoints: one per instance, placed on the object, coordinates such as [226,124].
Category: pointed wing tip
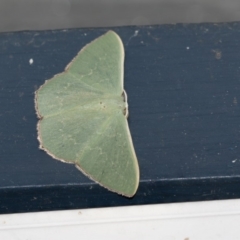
[111,32]
[131,195]
[133,192]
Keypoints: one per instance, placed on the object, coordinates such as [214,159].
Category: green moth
[83,116]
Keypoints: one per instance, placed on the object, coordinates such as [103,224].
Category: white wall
[53,14]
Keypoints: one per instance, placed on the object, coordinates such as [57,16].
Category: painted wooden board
[183,85]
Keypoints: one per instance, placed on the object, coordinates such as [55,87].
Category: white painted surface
[181,221]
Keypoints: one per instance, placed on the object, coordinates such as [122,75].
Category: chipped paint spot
[218,53]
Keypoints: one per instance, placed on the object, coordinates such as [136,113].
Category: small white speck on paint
[135,33]
[187,47]
[233,161]
[30,61]
[85,34]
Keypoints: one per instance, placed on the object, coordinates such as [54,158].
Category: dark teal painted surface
[183,85]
